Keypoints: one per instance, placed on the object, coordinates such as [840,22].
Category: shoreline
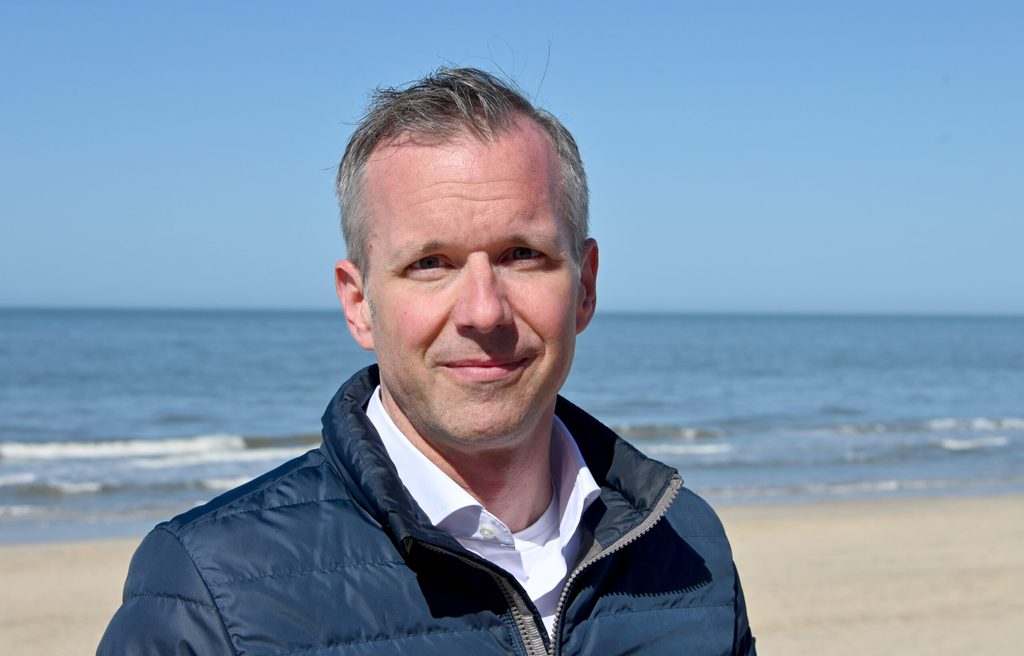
[919,575]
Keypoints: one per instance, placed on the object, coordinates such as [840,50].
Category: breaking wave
[852,488]
[992,442]
[686,449]
[120,448]
[664,432]
[945,424]
[222,484]
[11,480]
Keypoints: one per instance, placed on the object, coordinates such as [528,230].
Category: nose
[482,304]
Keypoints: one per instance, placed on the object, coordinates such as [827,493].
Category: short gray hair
[446,105]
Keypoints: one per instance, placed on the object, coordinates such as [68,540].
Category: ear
[586,300]
[348,281]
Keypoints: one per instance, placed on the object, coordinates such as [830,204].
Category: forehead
[415,171]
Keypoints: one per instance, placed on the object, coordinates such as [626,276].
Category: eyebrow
[545,242]
[419,250]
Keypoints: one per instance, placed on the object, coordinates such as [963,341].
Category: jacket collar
[630,483]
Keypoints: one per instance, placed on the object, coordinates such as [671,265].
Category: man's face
[472,300]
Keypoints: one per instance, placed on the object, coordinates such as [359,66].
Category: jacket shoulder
[300,480]
[283,520]
[166,607]
[289,522]
[692,516]
[693,519]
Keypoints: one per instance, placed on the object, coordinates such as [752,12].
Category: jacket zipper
[532,639]
[660,508]
[529,633]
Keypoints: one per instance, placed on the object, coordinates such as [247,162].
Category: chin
[483,426]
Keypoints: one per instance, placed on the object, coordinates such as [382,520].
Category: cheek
[411,323]
[550,312]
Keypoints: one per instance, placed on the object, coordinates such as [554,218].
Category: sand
[921,576]
[57,598]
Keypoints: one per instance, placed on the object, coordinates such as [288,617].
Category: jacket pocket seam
[166,597]
[391,638]
[311,570]
[631,611]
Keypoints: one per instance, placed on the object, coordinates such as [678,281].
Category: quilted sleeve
[166,607]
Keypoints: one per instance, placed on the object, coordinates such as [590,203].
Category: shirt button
[487,532]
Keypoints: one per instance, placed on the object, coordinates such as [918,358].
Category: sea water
[113,420]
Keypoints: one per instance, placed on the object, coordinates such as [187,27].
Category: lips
[484,369]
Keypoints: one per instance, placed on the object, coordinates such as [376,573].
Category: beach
[884,576]
[908,576]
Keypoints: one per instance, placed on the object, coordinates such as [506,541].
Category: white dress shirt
[541,555]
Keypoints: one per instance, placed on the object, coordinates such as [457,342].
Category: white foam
[890,485]
[656,431]
[838,489]
[852,488]
[190,459]
[84,487]
[120,449]
[687,449]
[992,442]
[17,479]
[942,424]
[977,423]
[223,483]
[17,511]
[850,429]
[947,423]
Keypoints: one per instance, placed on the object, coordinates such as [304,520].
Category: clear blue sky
[743,156]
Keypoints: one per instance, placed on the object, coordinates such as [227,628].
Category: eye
[523,253]
[429,262]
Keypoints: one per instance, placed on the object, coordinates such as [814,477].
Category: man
[457,505]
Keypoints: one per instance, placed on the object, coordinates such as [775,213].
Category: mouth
[485,370]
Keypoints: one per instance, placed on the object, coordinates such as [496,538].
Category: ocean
[111,421]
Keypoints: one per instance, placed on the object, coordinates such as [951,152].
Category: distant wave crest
[992,442]
[664,432]
[121,448]
[687,449]
[852,488]
[978,423]
[20,478]
[221,484]
[945,424]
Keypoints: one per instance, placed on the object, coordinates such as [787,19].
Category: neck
[514,486]
[511,480]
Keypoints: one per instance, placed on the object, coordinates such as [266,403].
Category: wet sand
[919,576]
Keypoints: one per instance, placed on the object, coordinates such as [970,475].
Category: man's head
[468,282]
[452,103]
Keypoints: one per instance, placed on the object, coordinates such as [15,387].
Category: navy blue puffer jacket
[328,554]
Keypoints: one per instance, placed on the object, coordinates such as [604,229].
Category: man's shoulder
[296,482]
[299,503]
[294,533]
[296,517]
[694,517]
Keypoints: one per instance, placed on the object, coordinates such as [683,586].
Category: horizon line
[610,311]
